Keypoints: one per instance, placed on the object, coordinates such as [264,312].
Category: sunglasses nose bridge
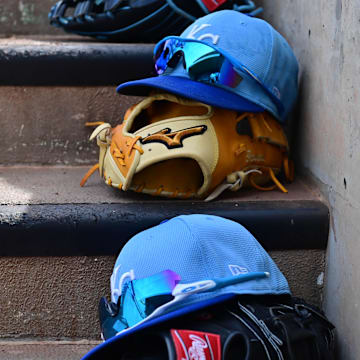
[176,58]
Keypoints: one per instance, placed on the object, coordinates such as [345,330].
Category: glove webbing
[290,332]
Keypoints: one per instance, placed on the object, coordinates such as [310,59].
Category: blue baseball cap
[264,58]
[197,247]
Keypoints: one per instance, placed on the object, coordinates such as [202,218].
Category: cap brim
[109,346]
[208,94]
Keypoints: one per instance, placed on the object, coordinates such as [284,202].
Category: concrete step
[59,243]
[52,86]
[26,17]
[57,297]
[46,125]
[44,350]
[70,60]
[48,201]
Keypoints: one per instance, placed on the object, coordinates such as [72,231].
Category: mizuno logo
[174,139]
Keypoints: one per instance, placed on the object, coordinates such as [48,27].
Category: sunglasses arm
[130,274]
[206,285]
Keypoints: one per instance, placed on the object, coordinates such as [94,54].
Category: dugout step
[56,298]
[44,350]
[19,17]
[71,60]
[42,203]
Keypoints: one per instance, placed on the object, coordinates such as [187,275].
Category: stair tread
[42,203]
[44,350]
[59,41]
[22,185]
[67,60]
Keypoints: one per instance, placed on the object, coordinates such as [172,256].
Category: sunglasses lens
[139,298]
[132,309]
[110,322]
[159,284]
[142,296]
[196,53]
[202,62]
[228,76]
[163,56]
[205,66]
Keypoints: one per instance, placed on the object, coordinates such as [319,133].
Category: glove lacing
[235,181]
[116,153]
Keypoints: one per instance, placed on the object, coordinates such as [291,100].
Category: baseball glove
[136,20]
[257,327]
[179,148]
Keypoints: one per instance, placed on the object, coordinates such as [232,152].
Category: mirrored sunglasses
[201,62]
[144,299]
[205,64]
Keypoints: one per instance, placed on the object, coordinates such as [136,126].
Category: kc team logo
[193,34]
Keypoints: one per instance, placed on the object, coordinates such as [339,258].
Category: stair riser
[46,125]
[75,229]
[57,297]
[40,349]
[26,17]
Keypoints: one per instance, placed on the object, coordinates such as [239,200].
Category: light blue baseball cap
[263,57]
[199,247]
[196,247]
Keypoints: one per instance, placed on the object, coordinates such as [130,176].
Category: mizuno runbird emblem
[173,139]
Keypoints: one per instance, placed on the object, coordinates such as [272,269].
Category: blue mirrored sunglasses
[144,299]
[201,62]
[204,63]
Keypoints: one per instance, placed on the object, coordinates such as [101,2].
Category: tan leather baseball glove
[174,147]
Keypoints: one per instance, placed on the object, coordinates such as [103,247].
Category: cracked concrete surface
[23,185]
[67,291]
[26,16]
[46,125]
[325,36]
[45,350]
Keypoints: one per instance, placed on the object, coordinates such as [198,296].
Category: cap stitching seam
[257,102]
[197,243]
[271,52]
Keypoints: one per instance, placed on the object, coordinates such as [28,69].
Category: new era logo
[238,270]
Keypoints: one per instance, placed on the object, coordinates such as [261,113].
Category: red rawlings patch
[196,345]
[212,5]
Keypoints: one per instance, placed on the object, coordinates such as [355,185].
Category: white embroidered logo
[276,92]
[196,351]
[113,279]
[238,270]
[196,28]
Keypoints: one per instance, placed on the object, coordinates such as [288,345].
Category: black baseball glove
[136,20]
[247,328]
